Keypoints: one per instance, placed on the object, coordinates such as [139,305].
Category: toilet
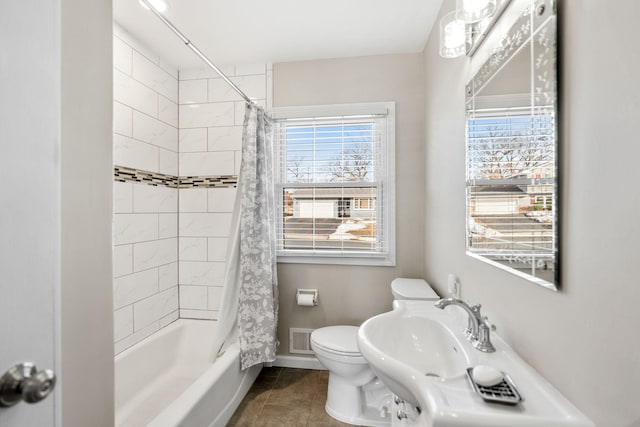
[355,395]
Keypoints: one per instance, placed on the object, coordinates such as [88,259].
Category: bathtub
[166,380]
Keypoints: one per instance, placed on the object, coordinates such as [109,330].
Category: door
[29,194]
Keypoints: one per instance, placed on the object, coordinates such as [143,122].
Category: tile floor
[286,397]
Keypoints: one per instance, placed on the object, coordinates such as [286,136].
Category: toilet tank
[412,289]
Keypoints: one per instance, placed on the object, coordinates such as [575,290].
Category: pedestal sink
[420,353]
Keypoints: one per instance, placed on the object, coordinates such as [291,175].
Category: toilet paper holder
[305,292]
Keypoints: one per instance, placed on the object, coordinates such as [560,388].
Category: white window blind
[510,185]
[335,186]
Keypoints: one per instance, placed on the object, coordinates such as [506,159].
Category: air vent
[300,341]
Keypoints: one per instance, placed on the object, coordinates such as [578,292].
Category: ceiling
[254,31]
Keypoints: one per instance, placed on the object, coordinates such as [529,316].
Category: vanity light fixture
[453,36]
[456,27]
[159,5]
[471,11]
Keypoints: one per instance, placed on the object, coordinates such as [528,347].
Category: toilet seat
[338,343]
[337,339]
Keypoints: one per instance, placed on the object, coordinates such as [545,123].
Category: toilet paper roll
[305,300]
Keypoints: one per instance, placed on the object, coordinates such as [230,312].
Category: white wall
[351,294]
[145,223]
[584,338]
[211,118]
[86,373]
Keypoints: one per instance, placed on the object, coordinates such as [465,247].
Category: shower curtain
[250,296]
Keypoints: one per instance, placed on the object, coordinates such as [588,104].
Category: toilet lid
[339,339]
[413,289]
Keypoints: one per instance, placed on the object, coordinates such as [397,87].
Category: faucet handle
[491,326]
[483,340]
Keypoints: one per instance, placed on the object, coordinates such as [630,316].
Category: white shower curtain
[250,296]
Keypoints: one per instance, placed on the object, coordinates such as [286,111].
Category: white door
[317,209]
[29,194]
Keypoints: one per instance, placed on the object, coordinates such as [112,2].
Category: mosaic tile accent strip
[208,181]
[124,174]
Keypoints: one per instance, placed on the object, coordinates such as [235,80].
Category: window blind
[332,180]
[510,185]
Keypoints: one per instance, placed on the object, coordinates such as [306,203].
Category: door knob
[25,382]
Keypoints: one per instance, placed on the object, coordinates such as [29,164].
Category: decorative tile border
[124,174]
[208,181]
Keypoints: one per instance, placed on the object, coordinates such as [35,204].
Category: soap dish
[503,392]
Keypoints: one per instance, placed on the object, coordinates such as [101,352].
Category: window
[335,181]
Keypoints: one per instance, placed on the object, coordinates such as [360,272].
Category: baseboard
[300,362]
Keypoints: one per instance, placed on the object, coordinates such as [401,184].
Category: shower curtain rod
[197,51]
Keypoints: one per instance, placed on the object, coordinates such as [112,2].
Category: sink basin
[420,353]
[411,346]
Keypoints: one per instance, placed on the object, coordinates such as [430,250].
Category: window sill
[371,261]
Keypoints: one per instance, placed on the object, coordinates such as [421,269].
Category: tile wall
[171,129]
[145,226]
[211,115]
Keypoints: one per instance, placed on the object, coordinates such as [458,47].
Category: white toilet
[355,395]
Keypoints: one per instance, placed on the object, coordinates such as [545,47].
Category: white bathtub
[166,379]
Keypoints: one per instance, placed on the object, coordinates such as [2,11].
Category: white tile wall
[204,224]
[170,245]
[204,164]
[135,154]
[122,197]
[134,287]
[224,138]
[193,140]
[152,309]
[123,322]
[205,115]
[122,260]
[168,111]
[167,225]
[147,198]
[168,162]
[145,220]
[152,254]
[134,228]
[193,200]
[192,248]
[131,92]
[153,131]
[217,248]
[193,91]
[221,199]
[145,90]
[154,77]
[193,297]
[211,117]
[122,119]
[253,86]
[168,276]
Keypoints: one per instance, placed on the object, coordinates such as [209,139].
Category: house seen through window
[335,187]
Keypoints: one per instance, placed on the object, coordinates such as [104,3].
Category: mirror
[511,146]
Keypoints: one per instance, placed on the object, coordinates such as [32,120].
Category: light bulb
[475,10]
[453,36]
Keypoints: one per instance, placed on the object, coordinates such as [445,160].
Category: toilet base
[369,405]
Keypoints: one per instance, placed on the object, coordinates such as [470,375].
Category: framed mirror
[512,146]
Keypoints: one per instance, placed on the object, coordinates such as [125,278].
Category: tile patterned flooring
[286,397]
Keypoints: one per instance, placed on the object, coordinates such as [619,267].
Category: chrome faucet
[478,330]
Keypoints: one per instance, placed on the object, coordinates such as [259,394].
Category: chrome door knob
[25,382]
